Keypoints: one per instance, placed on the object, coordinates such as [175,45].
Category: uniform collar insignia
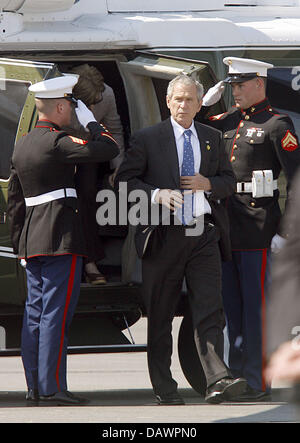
[258,107]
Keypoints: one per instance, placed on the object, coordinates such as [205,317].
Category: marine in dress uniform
[180,153]
[260,142]
[46,231]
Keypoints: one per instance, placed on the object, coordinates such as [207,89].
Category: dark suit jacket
[152,162]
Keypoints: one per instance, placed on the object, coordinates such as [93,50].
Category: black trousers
[171,256]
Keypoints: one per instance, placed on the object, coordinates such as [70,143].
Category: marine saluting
[46,231]
[260,142]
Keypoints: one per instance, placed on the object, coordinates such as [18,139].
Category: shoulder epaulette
[217,117]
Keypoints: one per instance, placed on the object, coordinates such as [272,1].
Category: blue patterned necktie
[188,168]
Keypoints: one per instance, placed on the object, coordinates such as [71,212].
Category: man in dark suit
[181,154]
[283,313]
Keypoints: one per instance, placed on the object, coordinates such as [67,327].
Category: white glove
[84,115]
[277,243]
[214,94]
[23,263]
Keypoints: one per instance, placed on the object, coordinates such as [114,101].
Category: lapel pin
[207,146]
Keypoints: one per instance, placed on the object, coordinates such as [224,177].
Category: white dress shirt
[201,205]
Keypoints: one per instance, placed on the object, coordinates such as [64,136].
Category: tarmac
[121,398]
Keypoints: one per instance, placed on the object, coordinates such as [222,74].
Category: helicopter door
[146,79]
[17,116]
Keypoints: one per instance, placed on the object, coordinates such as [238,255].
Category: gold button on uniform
[233,158]
[252,204]
[238,135]
[235,146]
[247,117]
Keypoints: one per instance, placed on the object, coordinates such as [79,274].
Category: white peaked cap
[57,87]
[243,69]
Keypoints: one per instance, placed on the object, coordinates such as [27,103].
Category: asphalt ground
[121,399]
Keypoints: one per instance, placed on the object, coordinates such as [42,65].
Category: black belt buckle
[240,187]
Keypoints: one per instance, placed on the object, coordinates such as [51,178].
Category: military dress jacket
[258,138]
[43,161]
[152,162]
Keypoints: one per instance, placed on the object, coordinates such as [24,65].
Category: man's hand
[111,178]
[277,243]
[284,363]
[169,198]
[23,263]
[195,183]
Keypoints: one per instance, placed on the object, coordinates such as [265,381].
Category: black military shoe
[32,396]
[172,398]
[63,398]
[252,395]
[225,389]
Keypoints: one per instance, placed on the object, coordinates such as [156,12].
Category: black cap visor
[71,99]
[240,78]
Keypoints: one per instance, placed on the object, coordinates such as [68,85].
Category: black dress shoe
[172,398]
[252,395]
[225,389]
[32,396]
[65,398]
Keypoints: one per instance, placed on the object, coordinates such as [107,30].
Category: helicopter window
[283,91]
[12,98]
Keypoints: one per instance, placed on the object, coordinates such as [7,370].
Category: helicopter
[138,46]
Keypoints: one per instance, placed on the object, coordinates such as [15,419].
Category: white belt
[247,187]
[50,196]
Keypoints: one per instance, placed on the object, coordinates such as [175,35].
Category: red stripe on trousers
[68,298]
[263,313]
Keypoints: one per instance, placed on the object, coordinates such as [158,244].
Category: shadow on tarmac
[281,414]
[137,397]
